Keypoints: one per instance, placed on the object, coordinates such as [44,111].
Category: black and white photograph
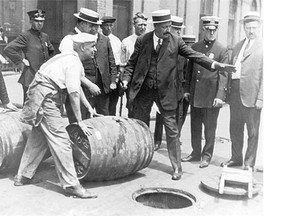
[139,107]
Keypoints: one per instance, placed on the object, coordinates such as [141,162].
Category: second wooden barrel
[117,148]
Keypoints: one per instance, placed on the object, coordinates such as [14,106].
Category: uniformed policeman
[206,93]
[36,47]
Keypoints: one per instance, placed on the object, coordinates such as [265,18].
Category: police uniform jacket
[37,49]
[202,84]
[138,66]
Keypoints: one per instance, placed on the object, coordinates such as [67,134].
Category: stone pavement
[115,197]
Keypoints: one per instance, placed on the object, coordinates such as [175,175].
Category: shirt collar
[155,40]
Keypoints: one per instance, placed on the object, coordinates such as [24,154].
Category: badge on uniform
[46,44]
[211,56]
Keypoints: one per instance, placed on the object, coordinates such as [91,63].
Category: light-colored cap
[161,16]
[177,22]
[88,16]
[83,38]
[210,22]
[251,16]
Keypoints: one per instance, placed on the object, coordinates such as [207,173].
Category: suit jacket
[105,62]
[251,78]
[3,91]
[139,63]
[37,49]
[203,85]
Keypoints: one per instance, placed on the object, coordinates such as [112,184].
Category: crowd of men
[160,68]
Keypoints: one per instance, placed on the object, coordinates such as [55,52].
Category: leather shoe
[231,163]
[176,176]
[22,180]
[80,192]
[157,146]
[190,158]
[247,167]
[204,163]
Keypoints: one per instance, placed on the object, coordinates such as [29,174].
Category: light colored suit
[243,97]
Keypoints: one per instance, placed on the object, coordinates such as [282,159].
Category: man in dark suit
[152,72]
[100,71]
[246,92]
[206,93]
[35,46]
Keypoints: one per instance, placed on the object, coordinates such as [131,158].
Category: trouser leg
[210,125]
[196,131]
[33,154]
[253,124]
[158,132]
[172,137]
[237,122]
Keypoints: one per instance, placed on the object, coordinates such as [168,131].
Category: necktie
[158,46]
[246,48]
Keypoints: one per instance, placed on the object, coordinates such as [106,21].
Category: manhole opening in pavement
[164,198]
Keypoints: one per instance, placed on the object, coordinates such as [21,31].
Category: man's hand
[218,102]
[94,90]
[85,128]
[10,107]
[187,96]
[26,62]
[259,104]
[225,67]
[113,86]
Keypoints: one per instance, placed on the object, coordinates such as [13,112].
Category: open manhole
[164,198]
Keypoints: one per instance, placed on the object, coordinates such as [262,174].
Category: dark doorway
[59,18]
[122,12]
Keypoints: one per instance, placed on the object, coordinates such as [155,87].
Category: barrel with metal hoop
[13,138]
[118,147]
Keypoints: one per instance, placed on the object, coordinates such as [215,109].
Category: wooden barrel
[118,147]
[13,137]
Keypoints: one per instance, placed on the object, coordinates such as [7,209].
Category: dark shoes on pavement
[80,192]
[157,146]
[204,163]
[190,158]
[177,174]
[21,180]
[231,163]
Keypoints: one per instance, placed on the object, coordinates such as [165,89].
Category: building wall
[15,13]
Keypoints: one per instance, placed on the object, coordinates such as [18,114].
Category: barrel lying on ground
[13,137]
[118,147]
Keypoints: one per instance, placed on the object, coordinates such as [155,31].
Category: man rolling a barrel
[57,77]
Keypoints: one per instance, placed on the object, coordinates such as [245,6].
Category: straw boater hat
[210,22]
[189,38]
[161,16]
[251,16]
[88,16]
[38,15]
[177,22]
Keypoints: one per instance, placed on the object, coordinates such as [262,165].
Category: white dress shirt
[116,48]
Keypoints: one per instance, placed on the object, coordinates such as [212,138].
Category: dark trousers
[142,105]
[239,116]
[181,114]
[113,100]
[207,117]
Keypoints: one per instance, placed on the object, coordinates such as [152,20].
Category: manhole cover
[164,198]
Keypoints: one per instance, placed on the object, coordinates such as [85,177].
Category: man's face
[37,24]
[210,34]
[176,31]
[88,50]
[162,29]
[252,29]
[90,28]
[140,26]
[107,28]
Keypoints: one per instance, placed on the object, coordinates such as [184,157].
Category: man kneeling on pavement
[59,76]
